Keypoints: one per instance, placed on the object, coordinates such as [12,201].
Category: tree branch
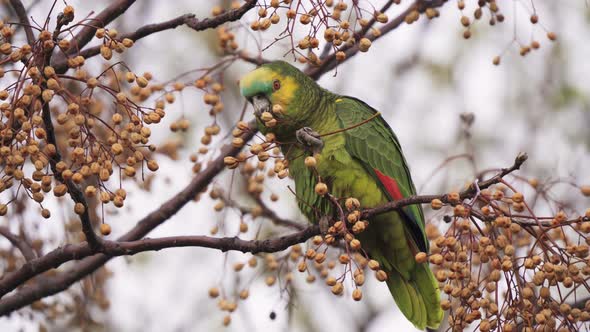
[105,17]
[112,249]
[272,215]
[265,211]
[228,16]
[61,255]
[75,192]
[467,193]
[55,258]
[61,64]
[258,60]
[330,62]
[21,12]
[127,246]
[16,241]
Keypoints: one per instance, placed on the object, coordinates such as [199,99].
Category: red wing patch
[390,185]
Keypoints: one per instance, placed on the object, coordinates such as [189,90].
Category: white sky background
[512,103]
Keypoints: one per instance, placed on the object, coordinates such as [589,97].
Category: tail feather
[417,298]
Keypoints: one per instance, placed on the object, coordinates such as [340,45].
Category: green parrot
[365,162]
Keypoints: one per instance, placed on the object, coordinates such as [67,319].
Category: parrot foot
[310,139]
[324,224]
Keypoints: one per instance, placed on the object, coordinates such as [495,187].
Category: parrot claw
[324,225]
[310,139]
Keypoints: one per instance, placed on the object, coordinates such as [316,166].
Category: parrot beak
[261,104]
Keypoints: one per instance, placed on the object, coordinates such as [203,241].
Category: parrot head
[278,83]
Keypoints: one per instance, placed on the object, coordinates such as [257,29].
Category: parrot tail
[417,298]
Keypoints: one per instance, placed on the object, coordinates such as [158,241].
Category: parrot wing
[376,147]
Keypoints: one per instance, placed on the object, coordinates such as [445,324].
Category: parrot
[361,158]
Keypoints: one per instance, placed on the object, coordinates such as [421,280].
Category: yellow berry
[152,165]
[277,109]
[421,257]
[337,288]
[496,60]
[266,116]
[364,44]
[373,265]
[352,203]
[359,279]
[517,198]
[382,18]
[244,294]
[79,208]
[454,197]
[270,280]
[436,204]
[381,275]
[105,229]
[213,292]
[357,294]
[321,188]
[226,320]
[465,21]
[216,10]
[310,162]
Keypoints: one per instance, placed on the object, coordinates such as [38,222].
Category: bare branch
[229,16]
[112,249]
[21,12]
[272,215]
[224,244]
[21,244]
[265,211]
[258,60]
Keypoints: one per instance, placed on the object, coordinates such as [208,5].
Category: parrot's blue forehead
[256,88]
[257,82]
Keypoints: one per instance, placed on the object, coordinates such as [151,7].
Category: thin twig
[61,65]
[105,17]
[330,62]
[228,16]
[353,126]
[59,256]
[21,244]
[75,193]
[276,219]
[69,252]
[21,12]
[467,193]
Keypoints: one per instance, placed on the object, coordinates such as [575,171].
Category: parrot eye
[276,84]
